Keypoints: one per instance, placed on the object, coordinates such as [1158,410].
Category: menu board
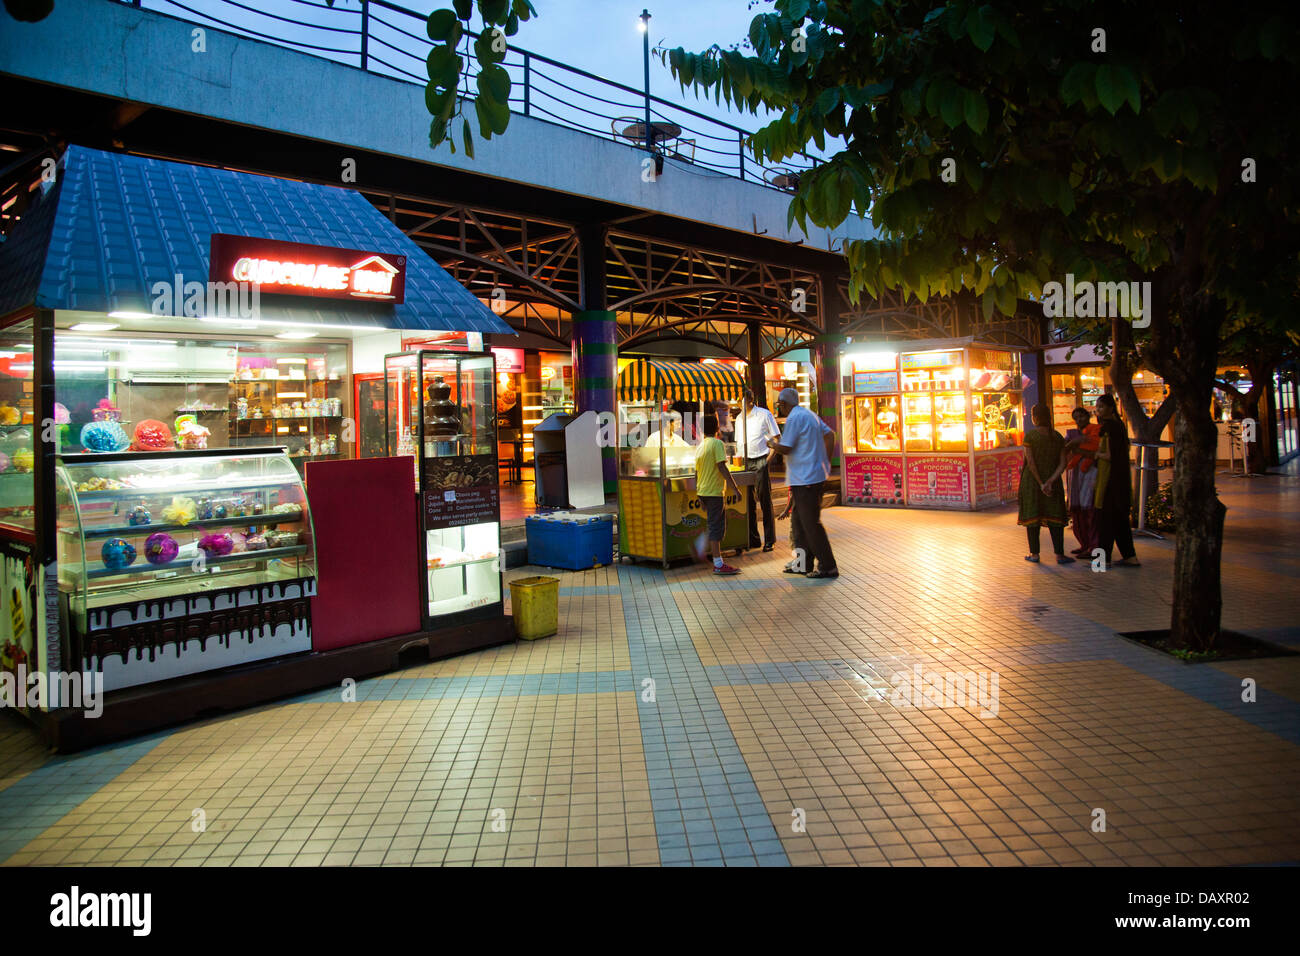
[938,482]
[1009,466]
[872,480]
[988,489]
[460,490]
[875,383]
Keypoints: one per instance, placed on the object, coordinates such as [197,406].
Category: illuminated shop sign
[931,359]
[295,268]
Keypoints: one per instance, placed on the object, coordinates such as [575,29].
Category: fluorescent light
[291,361]
[232,323]
[133,315]
[295,335]
[93,327]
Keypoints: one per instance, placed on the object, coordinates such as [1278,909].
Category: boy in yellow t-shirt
[711,480]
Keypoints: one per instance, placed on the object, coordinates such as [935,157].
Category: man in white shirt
[760,425]
[807,443]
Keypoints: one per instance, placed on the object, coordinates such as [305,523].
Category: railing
[390,40]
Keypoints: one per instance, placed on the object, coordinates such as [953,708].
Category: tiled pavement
[680,719]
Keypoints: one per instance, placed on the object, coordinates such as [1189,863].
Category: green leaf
[952,106]
[494,82]
[980,27]
[977,111]
[437,131]
[1200,170]
[484,50]
[1076,79]
[440,103]
[464,8]
[494,11]
[444,66]
[1112,86]
[523,10]
[493,117]
[467,139]
[441,24]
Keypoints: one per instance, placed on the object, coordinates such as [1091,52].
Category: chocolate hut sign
[295,268]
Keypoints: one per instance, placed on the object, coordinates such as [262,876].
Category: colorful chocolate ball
[216,545]
[152,435]
[104,436]
[139,515]
[117,553]
[160,548]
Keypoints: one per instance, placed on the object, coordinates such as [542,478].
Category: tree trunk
[1198,513]
[1261,376]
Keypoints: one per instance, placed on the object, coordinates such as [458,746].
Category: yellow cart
[661,518]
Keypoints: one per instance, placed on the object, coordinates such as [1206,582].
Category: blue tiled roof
[116,224]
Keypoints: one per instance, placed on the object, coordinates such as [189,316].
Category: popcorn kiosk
[660,517]
[937,427]
[440,409]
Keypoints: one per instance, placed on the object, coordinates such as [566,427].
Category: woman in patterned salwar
[1042,496]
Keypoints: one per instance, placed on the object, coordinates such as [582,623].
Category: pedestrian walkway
[942,703]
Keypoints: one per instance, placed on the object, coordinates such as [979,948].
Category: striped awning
[647,380]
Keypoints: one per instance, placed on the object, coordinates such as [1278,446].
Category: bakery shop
[195,503]
[932,424]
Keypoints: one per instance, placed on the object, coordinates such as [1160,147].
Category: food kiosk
[661,518]
[152,545]
[939,425]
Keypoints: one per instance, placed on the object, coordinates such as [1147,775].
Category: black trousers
[762,496]
[1058,538]
[807,522]
[1114,530]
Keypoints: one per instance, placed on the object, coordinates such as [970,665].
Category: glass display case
[148,526]
[17,448]
[440,408]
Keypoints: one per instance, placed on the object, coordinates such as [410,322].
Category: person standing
[760,425]
[1115,492]
[711,480]
[1081,470]
[1042,500]
[806,443]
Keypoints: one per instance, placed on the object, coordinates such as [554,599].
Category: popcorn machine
[939,426]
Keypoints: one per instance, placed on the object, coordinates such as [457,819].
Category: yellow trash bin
[535,604]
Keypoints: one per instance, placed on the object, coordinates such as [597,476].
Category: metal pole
[528,79]
[649,136]
[740,151]
[365,33]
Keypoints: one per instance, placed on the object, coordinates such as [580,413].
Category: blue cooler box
[574,542]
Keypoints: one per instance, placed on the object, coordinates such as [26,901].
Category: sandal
[1064,559]
[1033,558]
[1127,563]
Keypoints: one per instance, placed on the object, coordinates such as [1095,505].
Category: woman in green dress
[1042,499]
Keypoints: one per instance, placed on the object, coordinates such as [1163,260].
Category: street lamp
[644,27]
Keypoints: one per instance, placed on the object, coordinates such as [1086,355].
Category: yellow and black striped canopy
[647,380]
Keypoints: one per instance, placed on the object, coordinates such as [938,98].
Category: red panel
[368,586]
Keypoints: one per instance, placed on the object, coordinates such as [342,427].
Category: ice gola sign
[295,268]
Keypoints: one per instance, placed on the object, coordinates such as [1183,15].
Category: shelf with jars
[291,402]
